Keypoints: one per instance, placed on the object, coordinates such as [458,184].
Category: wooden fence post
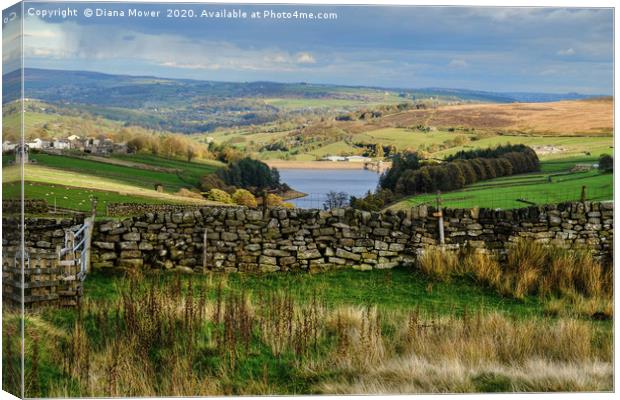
[440,220]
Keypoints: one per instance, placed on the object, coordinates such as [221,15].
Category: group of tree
[250,174]
[245,198]
[240,178]
[373,201]
[411,175]
[336,200]
[376,150]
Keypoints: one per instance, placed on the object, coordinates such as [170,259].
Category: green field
[553,184]
[40,122]
[572,146]
[190,172]
[73,189]
[73,198]
[188,176]
[406,138]
[396,289]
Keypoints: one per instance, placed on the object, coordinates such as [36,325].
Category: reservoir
[318,182]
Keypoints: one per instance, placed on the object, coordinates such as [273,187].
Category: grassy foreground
[402,331]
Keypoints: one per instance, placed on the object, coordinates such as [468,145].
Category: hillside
[592,117]
[192,106]
[554,130]
[70,182]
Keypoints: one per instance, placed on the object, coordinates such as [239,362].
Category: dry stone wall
[43,235]
[123,209]
[246,240]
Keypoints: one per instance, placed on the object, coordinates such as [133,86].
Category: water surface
[318,182]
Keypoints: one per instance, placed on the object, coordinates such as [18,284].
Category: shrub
[273,200]
[243,197]
[219,196]
[373,201]
[212,181]
[606,163]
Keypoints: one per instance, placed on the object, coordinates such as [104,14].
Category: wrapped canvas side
[14,159]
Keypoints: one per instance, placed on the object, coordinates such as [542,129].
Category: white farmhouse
[8,146]
[358,159]
[38,144]
[334,158]
[60,144]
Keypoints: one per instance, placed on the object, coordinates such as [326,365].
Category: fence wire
[504,199]
[501,198]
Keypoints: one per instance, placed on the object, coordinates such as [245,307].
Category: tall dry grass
[197,339]
[570,277]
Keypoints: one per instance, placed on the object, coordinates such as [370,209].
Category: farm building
[8,146]
[358,159]
[39,144]
[334,158]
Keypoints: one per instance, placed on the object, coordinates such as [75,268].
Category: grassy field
[47,183]
[78,198]
[568,147]
[552,185]
[188,174]
[345,331]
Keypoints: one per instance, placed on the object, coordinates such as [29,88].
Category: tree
[243,197]
[606,163]
[379,153]
[250,174]
[336,200]
[400,163]
[190,152]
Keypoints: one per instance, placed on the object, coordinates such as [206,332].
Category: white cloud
[567,52]
[305,58]
[72,41]
[458,63]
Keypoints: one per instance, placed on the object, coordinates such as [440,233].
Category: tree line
[410,176]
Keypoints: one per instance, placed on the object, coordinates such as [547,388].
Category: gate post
[439,214]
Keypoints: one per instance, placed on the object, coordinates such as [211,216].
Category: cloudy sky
[496,49]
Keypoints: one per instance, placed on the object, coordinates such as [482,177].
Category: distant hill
[191,106]
[501,97]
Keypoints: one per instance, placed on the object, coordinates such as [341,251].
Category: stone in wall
[249,240]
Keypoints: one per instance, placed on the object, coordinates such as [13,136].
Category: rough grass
[573,279]
[563,118]
[190,337]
